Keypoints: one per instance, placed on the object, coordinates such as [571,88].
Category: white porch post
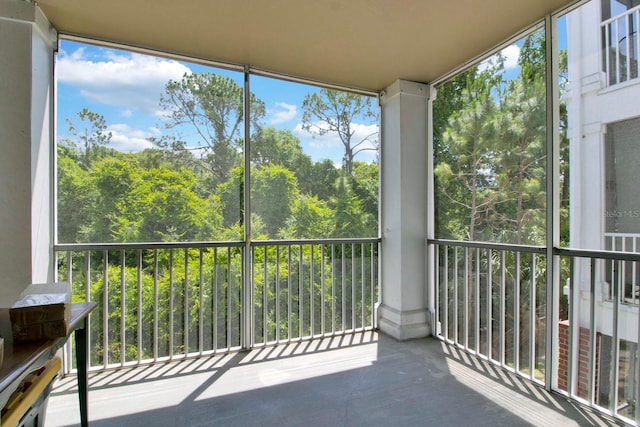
[26,93]
[403,311]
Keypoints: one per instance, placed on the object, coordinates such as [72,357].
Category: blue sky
[125,88]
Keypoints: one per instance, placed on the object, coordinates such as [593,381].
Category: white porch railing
[620,47]
[627,274]
[491,301]
[164,301]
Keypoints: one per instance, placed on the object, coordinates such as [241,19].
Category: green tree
[77,196]
[212,108]
[350,218]
[364,184]
[463,175]
[163,206]
[270,146]
[321,181]
[521,178]
[273,192]
[332,111]
[87,136]
[310,219]
[114,178]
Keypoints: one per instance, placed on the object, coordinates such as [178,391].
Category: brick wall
[583,359]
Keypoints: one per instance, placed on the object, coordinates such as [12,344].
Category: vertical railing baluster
[123,297]
[289,288]
[445,292]
[311,292]
[362,280]
[622,276]
[465,312]
[344,290]
[592,332]
[353,287]
[573,341]
[216,294]
[372,284]
[456,296]
[289,296]
[201,305]
[87,296]
[155,305]
[68,348]
[171,304]
[489,306]
[633,297]
[437,285]
[532,319]
[300,292]
[265,299]
[477,302]
[87,276]
[323,329]
[139,316]
[333,288]
[277,303]
[618,65]
[502,305]
[105,309]
[628,37]
[185,307]
[516,314]
[607,40]
[615,341]
[230,298]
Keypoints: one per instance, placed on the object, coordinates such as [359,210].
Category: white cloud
[129,80]
[282,113]
[126,139]
[327,141]
[511,55]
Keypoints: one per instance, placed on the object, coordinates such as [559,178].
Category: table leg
[80,336]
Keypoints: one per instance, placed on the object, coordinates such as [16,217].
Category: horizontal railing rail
[162,301]
[598,330]
[490,300]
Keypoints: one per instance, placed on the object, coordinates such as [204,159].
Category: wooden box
[41,313]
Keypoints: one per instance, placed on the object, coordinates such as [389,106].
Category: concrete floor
[361,380]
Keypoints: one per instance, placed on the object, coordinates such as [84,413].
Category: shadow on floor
[360,380]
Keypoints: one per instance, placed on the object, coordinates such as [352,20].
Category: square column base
[404,325]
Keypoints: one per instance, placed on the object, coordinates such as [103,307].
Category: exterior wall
[592,105]
[26,90]
[582,360]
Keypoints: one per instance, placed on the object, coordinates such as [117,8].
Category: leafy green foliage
[174,192]
[490,151]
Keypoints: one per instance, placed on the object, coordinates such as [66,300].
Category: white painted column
[403,310]
[26,141]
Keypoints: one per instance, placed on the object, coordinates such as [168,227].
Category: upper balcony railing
[625,274]
[620,47]
[164,301]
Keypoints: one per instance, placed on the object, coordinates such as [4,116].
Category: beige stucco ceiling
[360,43]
